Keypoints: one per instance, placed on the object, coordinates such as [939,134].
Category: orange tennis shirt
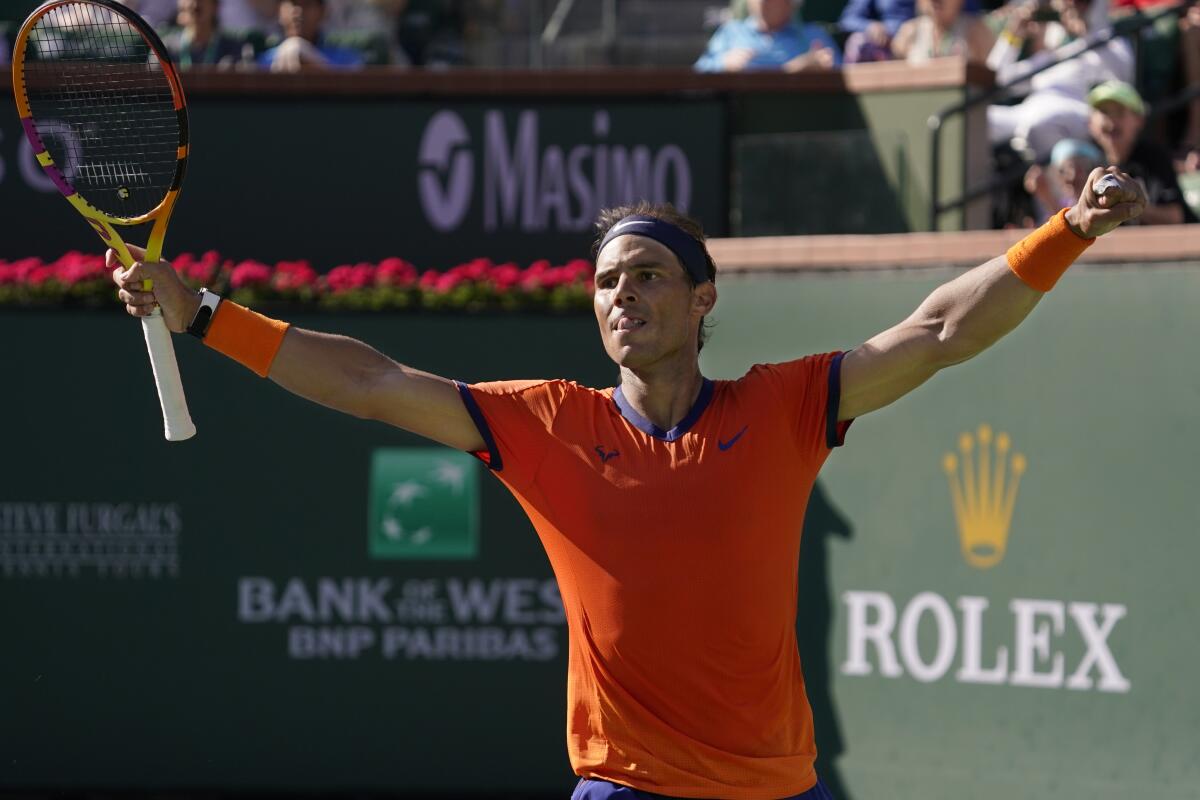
[676,555]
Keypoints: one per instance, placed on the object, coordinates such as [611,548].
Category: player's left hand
[1110,197]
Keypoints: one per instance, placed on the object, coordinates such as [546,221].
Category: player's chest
[711,472]
[720,496]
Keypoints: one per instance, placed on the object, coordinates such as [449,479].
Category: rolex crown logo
[983,484]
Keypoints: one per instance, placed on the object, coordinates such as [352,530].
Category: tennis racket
[104,110]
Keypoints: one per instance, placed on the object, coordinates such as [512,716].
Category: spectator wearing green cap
[1116,121]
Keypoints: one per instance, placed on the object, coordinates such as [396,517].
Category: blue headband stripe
[689,251]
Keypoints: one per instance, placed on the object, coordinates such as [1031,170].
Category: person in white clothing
[1055,103]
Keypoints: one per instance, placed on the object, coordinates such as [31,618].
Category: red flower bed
[80,279]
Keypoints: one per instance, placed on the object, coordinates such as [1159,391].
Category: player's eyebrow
[642,263]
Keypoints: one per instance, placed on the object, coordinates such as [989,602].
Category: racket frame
[177,421]
[101,222]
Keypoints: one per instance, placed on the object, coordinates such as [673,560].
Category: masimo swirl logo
[983,484]
[446,171]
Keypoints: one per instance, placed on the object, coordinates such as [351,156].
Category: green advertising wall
[440,180]
[345,180]
[296,600]
[1096,392]
[846,163]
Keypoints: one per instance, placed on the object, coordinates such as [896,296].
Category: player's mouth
[628,323]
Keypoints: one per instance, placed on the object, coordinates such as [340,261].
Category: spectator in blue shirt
[871,25]
[304,46]
[769,38]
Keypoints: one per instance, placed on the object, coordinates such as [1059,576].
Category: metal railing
[607,33]
[1131,24]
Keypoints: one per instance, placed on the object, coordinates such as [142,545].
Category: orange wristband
[1042,257]
[247,337]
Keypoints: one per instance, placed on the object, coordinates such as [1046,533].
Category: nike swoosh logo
[627,224]
[726,445]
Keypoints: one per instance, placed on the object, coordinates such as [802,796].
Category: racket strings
[103,106]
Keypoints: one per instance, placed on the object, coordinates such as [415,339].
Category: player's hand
[168,291]
[1120,199]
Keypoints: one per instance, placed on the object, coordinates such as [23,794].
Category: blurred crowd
[290,35]
[1072,103]
[1081,92]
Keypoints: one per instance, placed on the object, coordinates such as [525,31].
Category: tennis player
[671,506]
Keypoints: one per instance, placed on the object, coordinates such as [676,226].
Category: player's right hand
[168,291]
[1098,212]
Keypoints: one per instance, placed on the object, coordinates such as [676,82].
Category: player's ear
[704,297]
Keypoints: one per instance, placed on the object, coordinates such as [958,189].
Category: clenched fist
[1110,197]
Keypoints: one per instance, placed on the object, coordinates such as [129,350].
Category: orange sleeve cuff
[246,336]
[1042,257]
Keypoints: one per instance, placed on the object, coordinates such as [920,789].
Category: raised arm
[964,317]
[336,371]
[349,376]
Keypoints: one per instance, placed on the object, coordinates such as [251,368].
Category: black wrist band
[204,314]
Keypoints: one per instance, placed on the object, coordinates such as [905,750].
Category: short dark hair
[667,213]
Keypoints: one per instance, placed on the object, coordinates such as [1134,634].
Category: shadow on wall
[814,629]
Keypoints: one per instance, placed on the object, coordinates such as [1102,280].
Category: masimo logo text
[984,476]
[531,187]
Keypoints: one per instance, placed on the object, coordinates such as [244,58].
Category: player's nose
[624,293]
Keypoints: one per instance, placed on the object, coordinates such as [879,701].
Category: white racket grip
[177,422]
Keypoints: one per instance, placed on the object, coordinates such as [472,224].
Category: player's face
[646,306]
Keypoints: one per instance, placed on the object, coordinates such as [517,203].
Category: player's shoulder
[808,366]
[556,386]
[547,392]
[778,379]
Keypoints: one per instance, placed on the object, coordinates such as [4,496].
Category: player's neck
[663,396]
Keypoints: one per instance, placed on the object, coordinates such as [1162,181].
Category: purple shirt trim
[650,429]
[600,789]
[494,461]
[835,432]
